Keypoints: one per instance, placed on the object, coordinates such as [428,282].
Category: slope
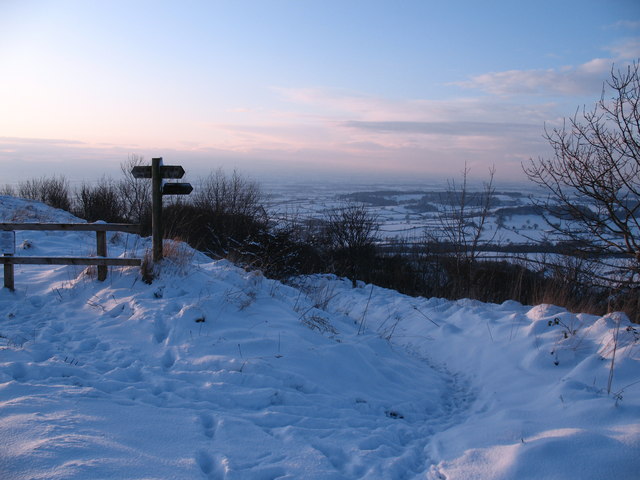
[215,372]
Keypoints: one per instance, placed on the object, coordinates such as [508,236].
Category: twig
[362,323]
[416,309]
[488,328]
[613,357]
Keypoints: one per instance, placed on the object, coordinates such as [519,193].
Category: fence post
[156,208]
[101,250]
[8,274]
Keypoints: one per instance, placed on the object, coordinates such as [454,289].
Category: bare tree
[351,226]
[464,219]
[593,179]
[349,232]
[135,193]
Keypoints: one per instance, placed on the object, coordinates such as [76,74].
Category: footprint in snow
[208,424]
[160,332]
[209,466]
[168,360]
[205,462]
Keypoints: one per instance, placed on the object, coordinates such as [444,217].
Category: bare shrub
[349,236]
[52,191]
[233,195]
[223,215]
[135,194]
[100,201]
[8,190]
[279,252]
[287,247]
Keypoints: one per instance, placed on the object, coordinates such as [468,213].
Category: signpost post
[156,209]
[157,172]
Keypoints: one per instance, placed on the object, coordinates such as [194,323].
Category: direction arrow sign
[177,189]
[166,171]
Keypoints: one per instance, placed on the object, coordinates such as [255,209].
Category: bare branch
[593,179]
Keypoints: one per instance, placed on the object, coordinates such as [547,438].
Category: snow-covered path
[212,372]
[238,382]
[541,376]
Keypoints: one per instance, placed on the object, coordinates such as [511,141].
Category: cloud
[584,79]
[350,130]
[315,129]
[23,158]
[337,107]
[462,128]
[15,141]
[625,24]
[628,48]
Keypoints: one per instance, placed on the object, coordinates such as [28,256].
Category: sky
[300,89]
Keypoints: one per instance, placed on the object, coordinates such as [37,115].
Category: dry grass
[318,323]
[177,256]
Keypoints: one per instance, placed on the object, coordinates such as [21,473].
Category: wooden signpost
[157,172]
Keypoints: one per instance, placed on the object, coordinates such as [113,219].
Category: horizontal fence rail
[102,261]
[74,227]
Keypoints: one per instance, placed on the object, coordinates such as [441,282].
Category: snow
[213,372]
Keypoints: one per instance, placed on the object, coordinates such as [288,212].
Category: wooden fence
[102,261]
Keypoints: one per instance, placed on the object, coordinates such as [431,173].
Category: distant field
[406,212]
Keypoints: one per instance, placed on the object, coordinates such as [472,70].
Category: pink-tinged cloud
[628,48]
[322,129]
[584,79]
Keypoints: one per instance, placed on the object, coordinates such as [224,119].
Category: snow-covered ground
[407,211]
[212,372]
